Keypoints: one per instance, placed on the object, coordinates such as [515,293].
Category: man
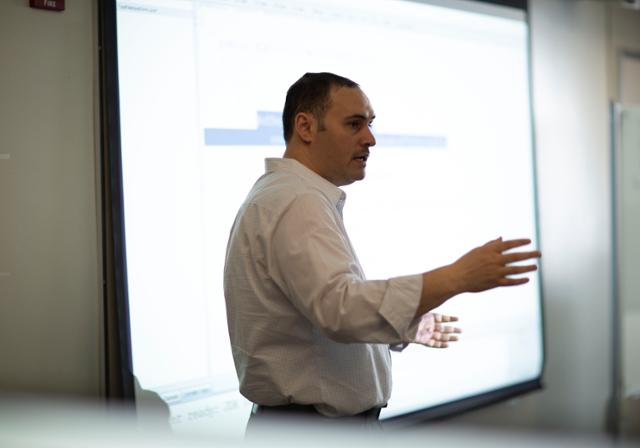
[309,334]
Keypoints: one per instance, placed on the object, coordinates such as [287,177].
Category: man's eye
[354,124]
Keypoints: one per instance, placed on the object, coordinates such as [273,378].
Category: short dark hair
[311,93]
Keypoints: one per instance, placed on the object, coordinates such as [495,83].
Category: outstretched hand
[432,333]
[491,265]
[488,266]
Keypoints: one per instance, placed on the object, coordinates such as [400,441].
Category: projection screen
[201,89]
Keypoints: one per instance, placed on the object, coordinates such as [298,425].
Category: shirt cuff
[400,303]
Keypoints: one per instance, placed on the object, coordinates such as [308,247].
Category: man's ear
[305,126]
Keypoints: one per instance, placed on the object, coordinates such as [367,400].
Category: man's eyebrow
[361,117]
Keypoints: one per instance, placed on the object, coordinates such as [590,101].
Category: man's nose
[370,138]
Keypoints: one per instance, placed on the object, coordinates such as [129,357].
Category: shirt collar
[335,194]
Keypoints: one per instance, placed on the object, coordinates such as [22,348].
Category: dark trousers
[270,421]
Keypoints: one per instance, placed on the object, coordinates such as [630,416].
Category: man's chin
[356,178]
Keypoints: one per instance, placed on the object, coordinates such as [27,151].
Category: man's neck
[300,155]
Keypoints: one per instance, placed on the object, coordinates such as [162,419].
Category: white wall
[49,272]
[572,132]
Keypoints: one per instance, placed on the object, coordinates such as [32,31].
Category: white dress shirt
[305,325]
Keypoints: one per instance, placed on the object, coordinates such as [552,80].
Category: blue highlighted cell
[269,133]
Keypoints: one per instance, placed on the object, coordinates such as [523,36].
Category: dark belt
[311,411]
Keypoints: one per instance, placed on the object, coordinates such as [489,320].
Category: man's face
[340,147]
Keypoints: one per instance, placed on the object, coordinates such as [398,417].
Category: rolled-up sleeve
[313,262]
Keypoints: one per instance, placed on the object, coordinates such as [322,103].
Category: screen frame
[119,377]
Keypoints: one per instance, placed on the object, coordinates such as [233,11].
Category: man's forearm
[438,286]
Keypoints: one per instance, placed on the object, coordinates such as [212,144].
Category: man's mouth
[362,157]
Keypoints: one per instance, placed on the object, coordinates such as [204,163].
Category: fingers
[508,244]
[441,340]
[512,244]
[443,337]
[447,329]
[503,246]
[514,258]
[521,256]
[512,281]
[444,318]
[439,318]
[513,270]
